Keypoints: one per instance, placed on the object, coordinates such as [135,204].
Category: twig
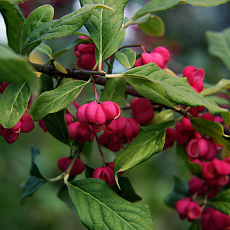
[79,75]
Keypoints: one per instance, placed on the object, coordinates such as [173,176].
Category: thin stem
[111,64]
[195,195]
[71,152]
[99,147]
[128,24]
[94,87]
[66,177]
[144,49]
[79,75]
[57,178]
[130,46]
[71,73]
[59,80]
[71,164]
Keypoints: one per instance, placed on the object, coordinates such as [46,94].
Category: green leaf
[194,168]
[45,49]
[219,45]
[160,5]
[151,25]
[153,83]
[104,24]
[62,27]
[219,100]
[221,85]
[68,47]
[115,44]
[148,142]
[212,129]
[13,103]
[150,90]
[99,207]
[35,181]
[36,18]
[221,202]
[14,20]
[46,83]
[195,225]
[59,67]
[55,100]
[88,171]
[114,90]
[126,190]
[64,195]
[126,57]
[165,115]
[180,190]
[204,3]
[14,68]
[56,125]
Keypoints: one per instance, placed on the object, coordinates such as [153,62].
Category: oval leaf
[62,27]
[43,48]
[36,18]
[14,20]
[115,44]
[105,24]
[148,142]
[212,129]
[59,67]
[55,100]
[126,57]
[160,5]
[56,125]
[152,25]
[35,181]
[114,90]
[221,202]
[163,116]
[99,207]
[169,90]
[14,68]
[221,85]
[13,103]
[219,45]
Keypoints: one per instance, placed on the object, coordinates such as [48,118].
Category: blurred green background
[185,28]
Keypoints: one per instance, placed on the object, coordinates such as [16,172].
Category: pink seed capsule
[27,123]
[142,110]
[98,114]
[64,162]
[188,209]
[106,174]
[163,52]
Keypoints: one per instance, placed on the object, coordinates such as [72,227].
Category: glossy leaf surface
[99,207]
[13,103]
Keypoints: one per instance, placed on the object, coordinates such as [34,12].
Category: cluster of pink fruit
[85,54]
[211,219]
[200,149]
[94,117]
[24,125]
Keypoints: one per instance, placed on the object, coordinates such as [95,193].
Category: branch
[84,75]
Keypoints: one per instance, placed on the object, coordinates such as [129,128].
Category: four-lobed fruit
[78,167]
[98,114]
